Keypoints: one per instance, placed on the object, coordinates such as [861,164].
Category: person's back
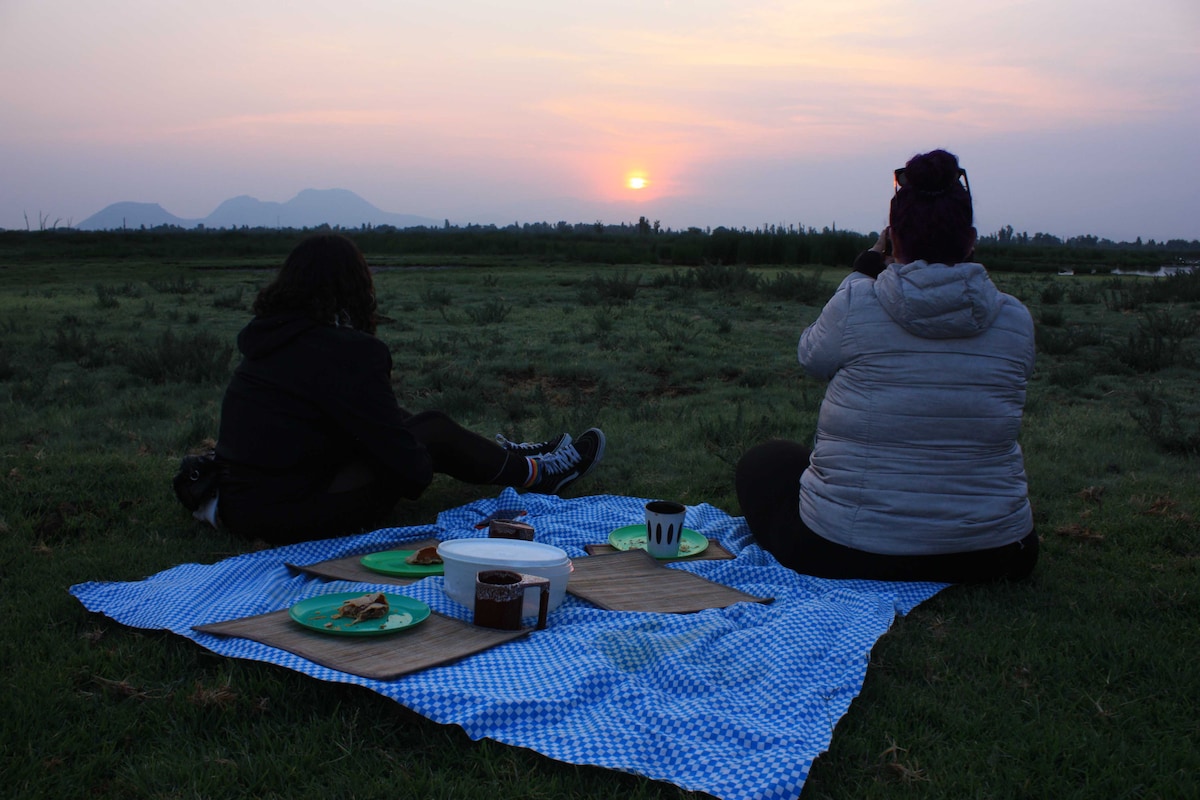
[302,397]
[916,448]
[915,472]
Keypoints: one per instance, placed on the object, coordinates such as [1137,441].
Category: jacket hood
[265,335]
[936,301]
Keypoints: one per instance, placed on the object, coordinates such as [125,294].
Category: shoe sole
[599,450]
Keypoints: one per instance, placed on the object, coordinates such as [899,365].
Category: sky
[1071,117]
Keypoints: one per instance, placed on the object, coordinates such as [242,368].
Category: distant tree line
[642,242]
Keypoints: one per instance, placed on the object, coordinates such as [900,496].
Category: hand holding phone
[884,243]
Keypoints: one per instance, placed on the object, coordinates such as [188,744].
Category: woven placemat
[438,640]
[350,568]
[713,551]
[632,580]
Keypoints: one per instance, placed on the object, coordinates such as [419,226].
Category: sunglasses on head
[900,178]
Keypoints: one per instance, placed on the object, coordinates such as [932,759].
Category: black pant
[768,488]
[282,507]
[464,454]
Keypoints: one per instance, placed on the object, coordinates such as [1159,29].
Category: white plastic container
[463,558]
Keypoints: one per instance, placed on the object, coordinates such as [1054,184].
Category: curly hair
[932,215]
[325,278]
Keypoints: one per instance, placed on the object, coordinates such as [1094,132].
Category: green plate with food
[358,614]
[396,563]
[633,537]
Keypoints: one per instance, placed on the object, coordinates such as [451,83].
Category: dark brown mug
[500,597]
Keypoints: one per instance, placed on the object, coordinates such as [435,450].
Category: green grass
[1078,683]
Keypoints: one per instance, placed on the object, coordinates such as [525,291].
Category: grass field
[1079,683]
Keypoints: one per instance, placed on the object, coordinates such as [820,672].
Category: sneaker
[569,462]
[533,448]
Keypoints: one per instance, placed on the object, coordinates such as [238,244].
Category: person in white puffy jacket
[915,472]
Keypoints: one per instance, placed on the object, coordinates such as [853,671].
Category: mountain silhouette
[132,215]
[310,208]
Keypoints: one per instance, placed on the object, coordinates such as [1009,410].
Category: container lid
[503,552]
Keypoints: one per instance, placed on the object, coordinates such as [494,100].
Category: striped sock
[533,472]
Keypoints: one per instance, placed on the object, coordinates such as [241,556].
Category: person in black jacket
[312,441]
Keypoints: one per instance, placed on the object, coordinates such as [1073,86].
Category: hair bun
[935,171]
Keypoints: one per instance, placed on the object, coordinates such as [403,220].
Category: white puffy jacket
[916,448]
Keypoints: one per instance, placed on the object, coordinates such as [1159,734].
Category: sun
[637,182]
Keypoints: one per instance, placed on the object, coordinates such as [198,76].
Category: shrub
[1071,374]
[436,297]
[1064,341]
[1171,428]
[1053,293]
[1051,317]
[807,289]
[675,278]
[723,278]
[610,290]
[674,329]
[492,312]
[86,351]
[1121,296]
[603,321]
[1081,293]
[1180,287]
[176,285]
[1157,343]
[194,358]
[229,299]
[106,298]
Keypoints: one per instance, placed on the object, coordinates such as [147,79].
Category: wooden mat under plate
[713,551]
[436,641]
[617,580]
[632,580]
[350,568]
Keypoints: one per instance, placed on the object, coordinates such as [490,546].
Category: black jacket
[310,397]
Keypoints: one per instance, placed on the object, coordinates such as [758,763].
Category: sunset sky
[1071,116]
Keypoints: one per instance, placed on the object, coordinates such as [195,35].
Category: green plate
[391,562]
[633,537]
[317,613]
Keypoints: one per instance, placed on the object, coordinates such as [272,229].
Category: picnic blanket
[736,702]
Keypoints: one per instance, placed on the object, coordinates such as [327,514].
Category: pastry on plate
[425,556]
[369,606]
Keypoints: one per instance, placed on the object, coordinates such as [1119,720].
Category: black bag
[196,481]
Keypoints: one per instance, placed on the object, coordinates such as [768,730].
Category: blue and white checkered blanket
[735,702]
